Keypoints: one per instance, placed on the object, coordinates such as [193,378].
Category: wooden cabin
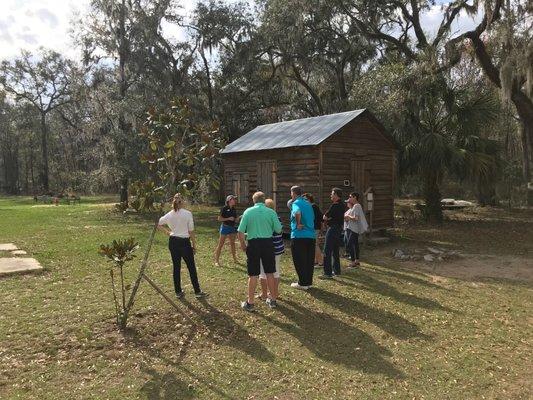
[349,150]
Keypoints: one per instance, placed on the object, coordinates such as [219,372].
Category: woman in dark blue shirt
[228,228]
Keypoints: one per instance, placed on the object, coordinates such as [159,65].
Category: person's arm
[192,235]
[161,225]
[297,213]
[164,229]
[241,230]
[327,214]
[298,218]
[220,218]
[351,215]
[277,224]
[242,241]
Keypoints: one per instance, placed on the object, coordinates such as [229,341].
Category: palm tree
[443,135]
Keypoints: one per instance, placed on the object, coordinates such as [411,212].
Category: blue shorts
[227,230]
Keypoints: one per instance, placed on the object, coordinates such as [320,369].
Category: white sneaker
[296,285]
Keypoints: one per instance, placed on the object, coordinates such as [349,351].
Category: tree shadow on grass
[222,330]
[169,385]
[404,276]
[372,284]
[166,387]
[391,323]
[333,340]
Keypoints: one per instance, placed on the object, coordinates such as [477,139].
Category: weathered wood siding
[360,154]
[293,166]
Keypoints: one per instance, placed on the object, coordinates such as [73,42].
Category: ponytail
[176,202]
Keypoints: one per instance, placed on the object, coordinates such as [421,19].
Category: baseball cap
[229,197]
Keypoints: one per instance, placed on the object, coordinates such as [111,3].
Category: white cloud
[431,20]
[29,24]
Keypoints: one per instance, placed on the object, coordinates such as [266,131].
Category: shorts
[262,274]
[260,251]
[227,229]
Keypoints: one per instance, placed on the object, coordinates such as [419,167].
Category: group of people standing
[259,232]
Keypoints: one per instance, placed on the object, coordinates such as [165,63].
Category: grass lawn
[390,330]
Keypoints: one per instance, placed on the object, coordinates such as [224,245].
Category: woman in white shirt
[181,243]
[355,225]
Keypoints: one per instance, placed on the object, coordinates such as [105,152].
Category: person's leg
[268,260]
[351,244]
[319,258]
[188,257]
[232,245]
[311,246]
[305,276]
[253,262]
[252,284]
[336,249]
[220,245]
[345,243]
[297,258]
[263,281]
[356,246]
[271,283]
[328,248]
[175,253]
[277,274]
[264,288]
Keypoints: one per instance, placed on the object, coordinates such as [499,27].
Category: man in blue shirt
[303,238]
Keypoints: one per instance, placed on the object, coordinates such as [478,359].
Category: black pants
[303,257]
[260,251]
[331,248]
[181,248]
[353,244]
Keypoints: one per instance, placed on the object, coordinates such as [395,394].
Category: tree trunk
[31,170]
[432,197]
[486,193]
[44,150]
[123,87]
[124,190]
[208,79]
[26,171]
[526,170]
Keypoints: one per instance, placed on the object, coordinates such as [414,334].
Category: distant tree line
[458,103]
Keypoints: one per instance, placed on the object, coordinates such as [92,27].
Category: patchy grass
[387,330]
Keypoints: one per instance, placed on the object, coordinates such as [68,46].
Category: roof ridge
[359,110]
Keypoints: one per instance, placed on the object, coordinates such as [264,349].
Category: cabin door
[241,188]
[360,175]
[266,178]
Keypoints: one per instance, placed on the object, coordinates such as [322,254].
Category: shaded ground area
[494,243]
[390,330]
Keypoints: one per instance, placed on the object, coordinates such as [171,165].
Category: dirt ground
[495,243]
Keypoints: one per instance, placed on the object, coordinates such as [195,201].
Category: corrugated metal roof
[299,132]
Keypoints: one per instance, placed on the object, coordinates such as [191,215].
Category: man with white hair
[258,223]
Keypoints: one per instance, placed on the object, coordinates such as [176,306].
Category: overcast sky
[29,24]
